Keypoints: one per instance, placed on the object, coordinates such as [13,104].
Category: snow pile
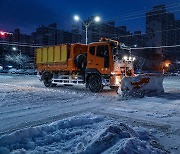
[85,133]
[141,85]
[5,77]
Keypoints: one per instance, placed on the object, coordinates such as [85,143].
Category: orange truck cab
[96,65]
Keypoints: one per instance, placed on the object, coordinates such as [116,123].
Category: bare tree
[18,59]
[140,63]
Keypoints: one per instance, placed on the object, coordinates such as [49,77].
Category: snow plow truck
[98,64]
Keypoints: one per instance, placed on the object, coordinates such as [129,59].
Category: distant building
[103,29]
[160,26]
[178,38]
[22,44]
[160,29]
[109,30]
[76,37]
[136,39]
[51,35]
[44,36]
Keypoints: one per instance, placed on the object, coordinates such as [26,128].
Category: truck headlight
[125,57]
[117,80]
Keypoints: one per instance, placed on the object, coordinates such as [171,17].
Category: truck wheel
[48,81]
[95,84]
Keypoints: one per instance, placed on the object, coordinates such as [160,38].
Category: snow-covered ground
[85,133]
[25,102]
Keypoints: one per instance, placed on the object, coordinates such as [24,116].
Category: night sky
[29,14]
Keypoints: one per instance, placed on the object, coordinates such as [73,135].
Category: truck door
[102,58]
[91,57]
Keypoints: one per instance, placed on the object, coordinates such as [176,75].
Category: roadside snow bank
[85,133]
[5,77]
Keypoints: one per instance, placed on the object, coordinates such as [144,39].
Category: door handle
[97,64]
[90,61]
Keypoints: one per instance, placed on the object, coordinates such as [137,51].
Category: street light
[97,19]
[76,18]
[14,48]
[86,25]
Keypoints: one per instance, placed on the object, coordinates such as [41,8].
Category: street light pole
[86,34]
[86,25]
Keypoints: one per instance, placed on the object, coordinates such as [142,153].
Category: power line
[145,16]
[18,44]
[136,34]
[36,46]
[143,12]
[168,46]
[174,5]
[152,32]
[140,17]
[154,14]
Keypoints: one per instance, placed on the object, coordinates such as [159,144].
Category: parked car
[4,71]
[175,73]
[30,72]
[20,71]
[12,71]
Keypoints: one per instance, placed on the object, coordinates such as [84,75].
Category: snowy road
[24,102]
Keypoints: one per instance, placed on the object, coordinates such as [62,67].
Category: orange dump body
[59,58]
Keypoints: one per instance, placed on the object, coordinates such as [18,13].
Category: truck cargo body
[59,58]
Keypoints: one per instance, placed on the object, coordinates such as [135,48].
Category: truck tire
[80,61]
[95,84]
[114,88]
[47,79]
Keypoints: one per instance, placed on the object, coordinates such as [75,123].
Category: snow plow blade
[141,85]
